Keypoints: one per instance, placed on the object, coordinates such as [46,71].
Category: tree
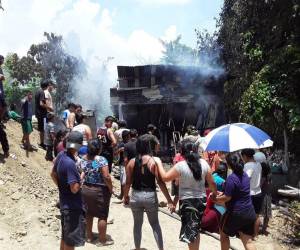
[57,64]
[260,49]
[176,53]
[206,53]
[47,60]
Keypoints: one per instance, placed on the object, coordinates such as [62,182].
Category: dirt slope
[28,217]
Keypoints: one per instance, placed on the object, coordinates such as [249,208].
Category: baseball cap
[74,140]
[83,151]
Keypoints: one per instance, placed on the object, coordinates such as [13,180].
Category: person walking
[3,108]
[254,171]
[96,190]
[192,173]
[66,177]
[142,172]
[239,218]
[26,121]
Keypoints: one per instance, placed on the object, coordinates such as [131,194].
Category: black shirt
[130,149]
[40,97]
[143,179]
[1,86]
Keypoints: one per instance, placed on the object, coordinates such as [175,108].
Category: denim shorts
[73,227]
[146,200]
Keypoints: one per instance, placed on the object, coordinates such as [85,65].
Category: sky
[128,30]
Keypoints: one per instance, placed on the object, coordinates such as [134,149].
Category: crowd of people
[216,191]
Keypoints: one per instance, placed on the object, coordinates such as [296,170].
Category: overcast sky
[128,30]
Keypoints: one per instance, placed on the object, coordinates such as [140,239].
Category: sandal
[106,243]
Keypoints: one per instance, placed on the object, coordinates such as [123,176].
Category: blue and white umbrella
[236,136]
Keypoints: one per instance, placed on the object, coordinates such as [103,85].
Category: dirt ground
[30,220]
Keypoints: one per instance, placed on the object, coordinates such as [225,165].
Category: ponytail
[192,158]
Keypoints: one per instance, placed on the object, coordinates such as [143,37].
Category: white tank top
[81,129]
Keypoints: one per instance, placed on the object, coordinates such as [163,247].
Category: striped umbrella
[236,136]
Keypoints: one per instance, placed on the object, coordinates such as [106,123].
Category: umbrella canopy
[236,136]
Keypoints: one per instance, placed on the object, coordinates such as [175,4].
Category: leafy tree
[45,60]
[205,54]
[58,65]
[22,69]
[260,49]
[176,53]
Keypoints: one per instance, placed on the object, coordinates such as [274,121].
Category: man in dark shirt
[155,144]
[3,106]
[66,176]
[41,110]
[130,147]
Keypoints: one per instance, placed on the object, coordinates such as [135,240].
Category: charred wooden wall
[171,97]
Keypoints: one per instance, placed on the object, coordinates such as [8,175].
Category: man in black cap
[66,176]
[3,106]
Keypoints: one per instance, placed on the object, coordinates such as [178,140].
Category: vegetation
[206,53]
[260,49]
[43,61]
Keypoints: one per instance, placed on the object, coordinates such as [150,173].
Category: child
[49,139]
[26,121]
[60,142]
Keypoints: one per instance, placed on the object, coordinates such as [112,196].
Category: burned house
[170,97]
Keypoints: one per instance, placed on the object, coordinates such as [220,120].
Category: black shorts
[41,121]
[73,227]
[2,103]
[109,157]
[257,201]
[234,222]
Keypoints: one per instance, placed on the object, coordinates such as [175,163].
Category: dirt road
[29,219]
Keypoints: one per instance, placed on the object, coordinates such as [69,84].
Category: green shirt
[14,115]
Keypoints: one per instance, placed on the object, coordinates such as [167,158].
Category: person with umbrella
[240,216]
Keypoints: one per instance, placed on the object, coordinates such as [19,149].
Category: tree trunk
[286,162]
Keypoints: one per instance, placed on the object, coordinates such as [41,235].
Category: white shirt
[118,134]
[48,98]
[189,187]
[253,170]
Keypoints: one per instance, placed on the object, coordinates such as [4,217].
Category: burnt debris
[170,97]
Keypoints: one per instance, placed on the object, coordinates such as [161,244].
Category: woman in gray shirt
[192,174]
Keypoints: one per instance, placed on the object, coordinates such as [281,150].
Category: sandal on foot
[106,243]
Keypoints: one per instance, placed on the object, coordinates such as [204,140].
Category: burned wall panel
[171,97]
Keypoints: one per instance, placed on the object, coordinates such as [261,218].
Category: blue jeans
[140,202]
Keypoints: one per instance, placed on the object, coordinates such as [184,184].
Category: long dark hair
[234,161]
[143,145]
[94,148]
[189,152]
